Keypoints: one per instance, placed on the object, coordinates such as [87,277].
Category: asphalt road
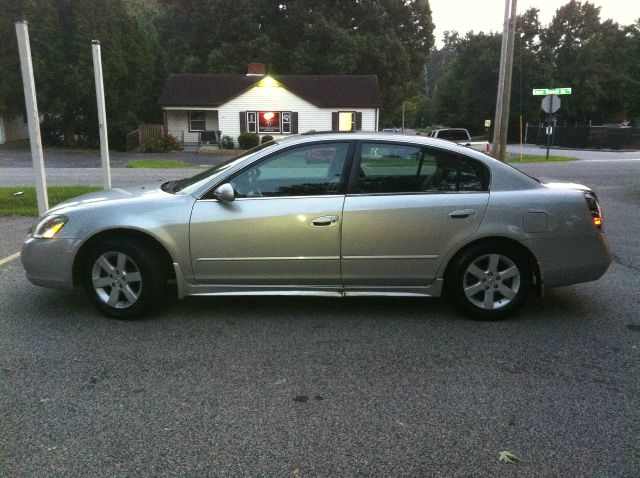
[303,387]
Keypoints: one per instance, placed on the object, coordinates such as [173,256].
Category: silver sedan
[327,215]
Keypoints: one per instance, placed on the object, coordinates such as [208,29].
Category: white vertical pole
[102,115]
[33,119]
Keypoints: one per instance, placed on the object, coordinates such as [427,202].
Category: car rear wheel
[490,282]
[123,280]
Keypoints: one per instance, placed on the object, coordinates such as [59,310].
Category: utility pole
[33,119]
[501,124]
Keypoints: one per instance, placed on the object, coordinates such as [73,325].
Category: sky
[488,15]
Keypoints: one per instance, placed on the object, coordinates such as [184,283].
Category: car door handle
[462,213]
[324,220]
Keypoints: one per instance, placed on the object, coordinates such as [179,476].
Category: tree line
[143,41]
[597,59]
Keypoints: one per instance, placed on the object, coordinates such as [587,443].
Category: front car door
[282,232]
[407,207]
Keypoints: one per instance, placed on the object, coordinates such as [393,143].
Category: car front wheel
[490,282]
[123,280]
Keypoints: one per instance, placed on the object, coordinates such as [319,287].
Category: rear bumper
[49,262]
[565,262]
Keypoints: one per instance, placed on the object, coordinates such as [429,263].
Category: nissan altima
[378,215]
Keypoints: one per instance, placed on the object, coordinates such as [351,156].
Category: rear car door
[406,208]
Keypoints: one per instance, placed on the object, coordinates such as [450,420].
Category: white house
[13,129]
[277,105]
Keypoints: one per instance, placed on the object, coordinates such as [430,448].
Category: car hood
[115,195]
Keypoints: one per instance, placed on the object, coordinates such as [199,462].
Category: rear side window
[394,168]
[453,135]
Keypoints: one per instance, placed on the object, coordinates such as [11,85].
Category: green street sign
[551,91]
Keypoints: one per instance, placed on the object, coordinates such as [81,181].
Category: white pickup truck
[460,136]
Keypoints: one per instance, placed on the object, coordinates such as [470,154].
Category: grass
[159,164]
[538,159]
[26,204]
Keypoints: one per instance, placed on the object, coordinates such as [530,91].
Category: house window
[251,122]
[286,122]
[196,121]
[269,122]
[346,121]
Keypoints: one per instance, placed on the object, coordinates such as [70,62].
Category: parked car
[460,136]
[387,215]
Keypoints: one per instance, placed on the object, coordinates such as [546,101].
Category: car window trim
[342,188]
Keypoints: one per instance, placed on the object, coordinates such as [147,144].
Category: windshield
[180,184]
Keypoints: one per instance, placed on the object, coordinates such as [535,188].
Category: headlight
[49,226]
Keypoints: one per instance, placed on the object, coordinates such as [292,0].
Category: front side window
[397,168]
[309,170]
[196,121]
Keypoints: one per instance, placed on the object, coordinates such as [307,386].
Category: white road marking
[9,258]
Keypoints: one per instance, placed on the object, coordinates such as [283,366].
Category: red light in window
[268,116]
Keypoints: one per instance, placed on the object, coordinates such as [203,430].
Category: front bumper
[49,262]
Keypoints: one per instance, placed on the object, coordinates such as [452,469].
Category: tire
[123,279]
[490,282]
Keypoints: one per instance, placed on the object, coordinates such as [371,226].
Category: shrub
[170,143]
[152,145]
[226,142]
[248,140]
[266,138]
[161,145]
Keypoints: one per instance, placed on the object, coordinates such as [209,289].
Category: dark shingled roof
[324,91]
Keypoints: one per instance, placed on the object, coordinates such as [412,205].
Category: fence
[144,133]
[586,137]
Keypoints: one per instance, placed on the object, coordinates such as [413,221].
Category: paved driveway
[300,387]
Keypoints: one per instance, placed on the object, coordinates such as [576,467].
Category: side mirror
[224,193]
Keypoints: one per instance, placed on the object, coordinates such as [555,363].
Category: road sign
[487,123]
[551,91]
[550,103]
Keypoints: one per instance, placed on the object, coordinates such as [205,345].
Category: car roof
[377,136]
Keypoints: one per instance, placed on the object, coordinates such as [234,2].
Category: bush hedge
[226,142]
[161,145]
[266,138]
[248,140]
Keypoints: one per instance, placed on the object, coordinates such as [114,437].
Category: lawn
[25,204]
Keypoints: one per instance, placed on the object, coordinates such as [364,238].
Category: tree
[388,38]
[595,59]
[61,32]
[466,92]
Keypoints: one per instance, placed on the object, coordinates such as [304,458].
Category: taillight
[594,209]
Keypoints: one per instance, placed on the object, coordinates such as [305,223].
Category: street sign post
[550,104]
[551,91]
